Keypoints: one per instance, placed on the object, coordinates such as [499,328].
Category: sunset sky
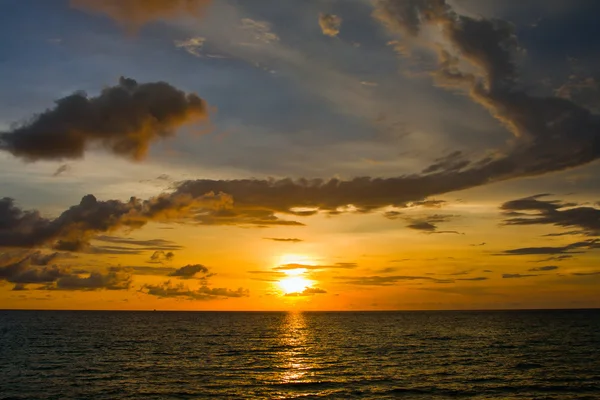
[310,155]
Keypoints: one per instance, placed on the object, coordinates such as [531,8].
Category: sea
[300,355]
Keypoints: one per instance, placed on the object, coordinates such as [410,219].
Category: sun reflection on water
[294,357]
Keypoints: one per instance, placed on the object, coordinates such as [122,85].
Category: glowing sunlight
[294,284]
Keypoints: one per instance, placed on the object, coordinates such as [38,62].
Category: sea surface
[313,355]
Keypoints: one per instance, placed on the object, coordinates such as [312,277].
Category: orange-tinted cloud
[132,14]
[330,24]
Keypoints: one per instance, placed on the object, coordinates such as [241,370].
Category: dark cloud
[19,287]
[544,268]
[135,13]
[160,257]
[289,240]
[586,273]
[478,244]
[475,279]
[114,279]
[387,280]
[386,270]
[572,248]
[330,24]
[61,170]
[423,226]
[39,258]
[517,276]
[145,270]
[555,258]
[190,271]
[533,211]
[159,244]
[113,250]
[582,88]
[170,290]
[75,227]
[287,267]
[307,292]
[125,119]
[25,269]
[452,162]
[427,224]
[551,133]
[430,203]
[393,215]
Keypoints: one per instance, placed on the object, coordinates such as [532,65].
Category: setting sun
[294,285]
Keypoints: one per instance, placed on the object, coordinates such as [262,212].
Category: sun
[294,284]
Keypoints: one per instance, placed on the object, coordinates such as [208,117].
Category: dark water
[378,355]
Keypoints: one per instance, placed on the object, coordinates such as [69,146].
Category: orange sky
[287,156]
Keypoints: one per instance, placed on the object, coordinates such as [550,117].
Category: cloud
[388,280]
[204,293]
[39,258]
[387,270]
[288,267]
[61,170]
[145,270]
[191,271]
[533,211]
[192,45]
[135,13]
[517,276]
[114,279]
[23,270]
[550,133]
[75,227]
[552,250]
[556,258]
[330,24]
[453,162]
[429,203]
[289,240]
[474,279]
[478,244]
[544,268]
[125,119]
[159,244]
[584,90]
[586,273]
[475,55]
[427,224]
[306,292]
[259,31]
[160,257]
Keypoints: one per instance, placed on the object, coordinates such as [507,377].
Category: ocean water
[367,355]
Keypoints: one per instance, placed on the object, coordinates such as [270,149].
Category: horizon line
[307,311]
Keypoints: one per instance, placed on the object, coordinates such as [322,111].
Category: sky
[299,155]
